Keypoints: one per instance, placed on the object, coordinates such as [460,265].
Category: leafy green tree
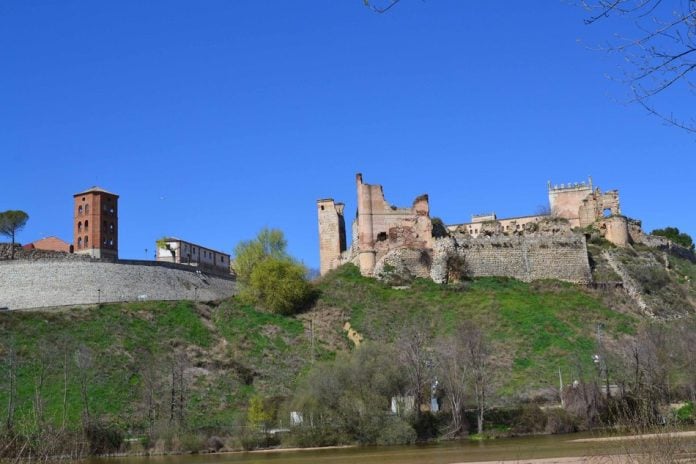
[269,243]
[672,233]
[279,285]
[257,415]
[11,222]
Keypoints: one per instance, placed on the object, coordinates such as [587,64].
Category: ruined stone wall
[382,227]
[332,234]
[524,257]
[615,230]
[42,283]
[565,201]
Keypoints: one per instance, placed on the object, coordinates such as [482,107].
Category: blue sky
[214,119]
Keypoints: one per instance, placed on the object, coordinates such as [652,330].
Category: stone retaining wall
[33,255]
[524,257]
[42,283]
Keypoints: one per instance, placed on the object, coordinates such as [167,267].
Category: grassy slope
[228,345]
[236,350]
[536,328]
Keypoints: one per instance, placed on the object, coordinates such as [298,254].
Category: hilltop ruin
[393,240]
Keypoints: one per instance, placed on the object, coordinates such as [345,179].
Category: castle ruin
[387,238]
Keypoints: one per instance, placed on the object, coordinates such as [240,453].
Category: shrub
[103,438]
[672,233]
[560,421]
[396,432]
[192,442]
[280,285]
[531,419]
[686,413]
[307,437]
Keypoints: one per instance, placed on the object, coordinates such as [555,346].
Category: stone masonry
[43,283]
[389,240]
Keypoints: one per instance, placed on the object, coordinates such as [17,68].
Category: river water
[444,453]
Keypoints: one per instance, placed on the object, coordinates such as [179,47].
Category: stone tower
[565,200]
[332,234]
[95,225]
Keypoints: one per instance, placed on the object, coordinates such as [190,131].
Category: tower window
[86,224]
[86,241]
[79,242]
[79,210]
[79,227]
[86,209]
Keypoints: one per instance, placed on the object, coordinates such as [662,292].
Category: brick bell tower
[95,225]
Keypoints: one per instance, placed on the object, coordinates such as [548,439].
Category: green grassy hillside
[231,352]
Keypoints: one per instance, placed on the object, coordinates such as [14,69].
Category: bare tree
[477,354]
[11,382]
[414,355]
[178,391]
[41,366]
[84,361]
[380,6]
[660,56]
[453,372]
[150,388]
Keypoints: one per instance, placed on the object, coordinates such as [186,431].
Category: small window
[79,242]
[86,241]
[86,223]
[322,207]
[222,260]
[86,209]
[111,227]
[111,243]
[79,227]
[79,210]
[382,236]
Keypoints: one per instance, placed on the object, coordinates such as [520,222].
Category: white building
[183,252]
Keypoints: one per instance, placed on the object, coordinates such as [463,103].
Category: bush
[426,426]
[308,437]
[672,233]
[280,285]
[531,419]
[686,413]
[396,432]
[103,438]
[560,421]
[192,443]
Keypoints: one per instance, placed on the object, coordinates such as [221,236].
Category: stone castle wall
[32,255]
[524,257]
[43,283]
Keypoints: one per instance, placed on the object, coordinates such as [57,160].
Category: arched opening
[86,223]
[79,210]
[79,243]
[86,241]
[79,227]
[86,209]
[607,212]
